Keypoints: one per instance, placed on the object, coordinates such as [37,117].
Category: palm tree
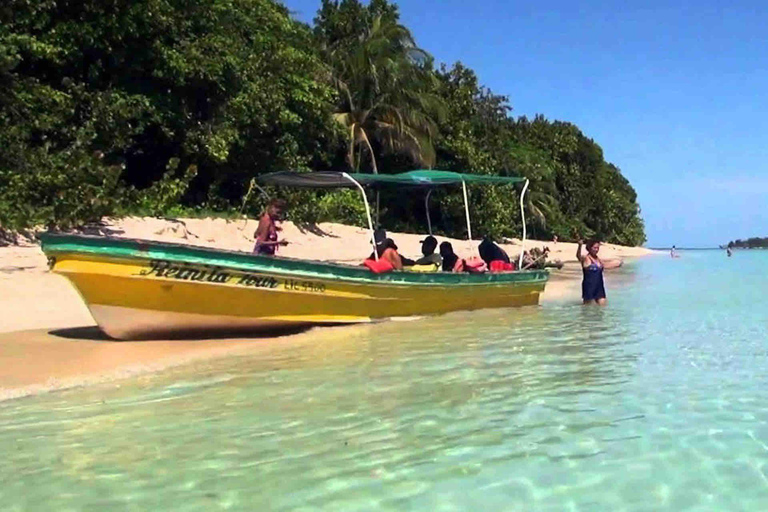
[541,198]
[385,85]
[541,203]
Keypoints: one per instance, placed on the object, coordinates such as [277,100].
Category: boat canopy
[425,179]
[420,178]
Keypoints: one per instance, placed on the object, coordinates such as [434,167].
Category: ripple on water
[649,404]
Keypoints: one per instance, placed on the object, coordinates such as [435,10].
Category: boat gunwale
[113,247]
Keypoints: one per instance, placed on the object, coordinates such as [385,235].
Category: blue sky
[674,92]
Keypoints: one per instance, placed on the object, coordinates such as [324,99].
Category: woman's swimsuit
[267,249]
[592,287]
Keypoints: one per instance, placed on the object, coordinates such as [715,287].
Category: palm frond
[386,92]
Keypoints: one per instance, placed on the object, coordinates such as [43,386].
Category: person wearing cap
[430,257]
[388,257]
[383,243]
[380,237]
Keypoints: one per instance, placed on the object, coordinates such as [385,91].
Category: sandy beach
[48,339]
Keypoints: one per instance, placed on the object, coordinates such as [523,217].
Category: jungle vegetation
[172,107]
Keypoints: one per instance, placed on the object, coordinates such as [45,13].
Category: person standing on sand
[266,234]
[592,285]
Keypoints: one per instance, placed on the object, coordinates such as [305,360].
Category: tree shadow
[10,237]
[180,225]
[100,229]
[12,269]
[314,229]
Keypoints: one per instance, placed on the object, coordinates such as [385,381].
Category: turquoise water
[657,402]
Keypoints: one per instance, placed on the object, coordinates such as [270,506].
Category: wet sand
[48,340]
[45,360]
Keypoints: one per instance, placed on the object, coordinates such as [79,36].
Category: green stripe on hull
[53,244]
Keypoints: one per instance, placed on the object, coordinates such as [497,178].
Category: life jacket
[381,266]
[430,267]
[475,265]
[501,266]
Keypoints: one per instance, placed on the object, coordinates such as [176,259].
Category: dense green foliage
[230,87]
[164,107]
[750,243]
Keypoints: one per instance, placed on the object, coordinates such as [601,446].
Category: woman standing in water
[592,286]
[266,233]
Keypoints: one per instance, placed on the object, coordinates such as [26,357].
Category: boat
[139,289]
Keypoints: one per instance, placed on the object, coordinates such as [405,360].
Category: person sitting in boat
[528,260]
[380,238]
[535,259]
[450,261]
[429,257]
[382,243]
[592,285]
[266,233]
[391,255]
[388,257]
[494,256]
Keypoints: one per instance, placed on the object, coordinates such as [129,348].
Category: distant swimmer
[673,252]
[592,285]
[729,252]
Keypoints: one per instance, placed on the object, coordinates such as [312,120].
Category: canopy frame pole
[522,216]
[426,207]
[367,212]
[466,210]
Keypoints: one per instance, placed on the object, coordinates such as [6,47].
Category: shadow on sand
[315,230]
[100,228]
[93,333]
[89,333]
[15,268]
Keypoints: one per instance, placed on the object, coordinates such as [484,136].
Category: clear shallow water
[657,402]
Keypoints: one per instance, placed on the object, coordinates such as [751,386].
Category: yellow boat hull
[133,298]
